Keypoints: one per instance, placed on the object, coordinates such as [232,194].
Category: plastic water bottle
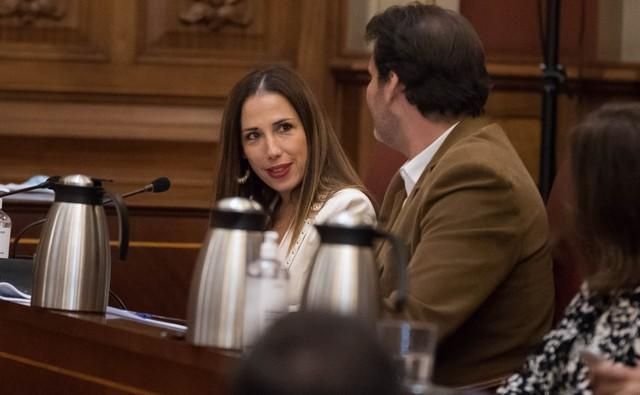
[5,233]
[266,292]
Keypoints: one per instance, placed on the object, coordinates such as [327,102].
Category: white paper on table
[9,293]
[42,194]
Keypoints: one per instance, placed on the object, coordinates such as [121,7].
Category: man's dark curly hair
[437,56]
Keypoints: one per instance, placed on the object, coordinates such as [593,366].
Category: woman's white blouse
[298,259]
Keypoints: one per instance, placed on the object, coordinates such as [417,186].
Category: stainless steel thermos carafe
[216,300]
[72,264]
[344,276]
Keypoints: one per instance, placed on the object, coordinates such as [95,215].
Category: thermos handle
[400,256]
[123,223]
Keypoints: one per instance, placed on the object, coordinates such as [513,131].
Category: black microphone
[45,184]
[160,184]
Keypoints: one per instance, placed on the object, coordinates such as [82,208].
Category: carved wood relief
[217,32]
[216,13]
[29,11]
[54,30]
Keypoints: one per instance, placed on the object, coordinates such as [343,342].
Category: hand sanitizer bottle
[5,233]
[266,292]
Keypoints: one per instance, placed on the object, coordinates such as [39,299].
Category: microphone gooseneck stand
[553,76]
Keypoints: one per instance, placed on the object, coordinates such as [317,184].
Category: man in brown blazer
[465,205]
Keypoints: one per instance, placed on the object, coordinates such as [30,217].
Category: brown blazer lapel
[391,206]
[392,203]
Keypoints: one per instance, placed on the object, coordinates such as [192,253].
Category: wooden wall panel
[518,112]
[354,125]
[144,47]
[130,164]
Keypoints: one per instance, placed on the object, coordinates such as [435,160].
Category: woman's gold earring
[243,180]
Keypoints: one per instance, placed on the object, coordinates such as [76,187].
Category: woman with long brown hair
[279,149]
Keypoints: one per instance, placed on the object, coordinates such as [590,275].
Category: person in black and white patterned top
[604,318]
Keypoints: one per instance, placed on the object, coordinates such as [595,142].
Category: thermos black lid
[78,188]
[238,213]
[347,228]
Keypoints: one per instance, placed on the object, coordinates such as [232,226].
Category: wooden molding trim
[355,68]
[110,121]
[135,244]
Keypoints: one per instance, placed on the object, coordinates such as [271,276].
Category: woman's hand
[608,378]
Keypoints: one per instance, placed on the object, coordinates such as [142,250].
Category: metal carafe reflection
[344,276]
[72,264]
[216,300]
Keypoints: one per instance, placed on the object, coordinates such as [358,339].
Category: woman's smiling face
[274,141]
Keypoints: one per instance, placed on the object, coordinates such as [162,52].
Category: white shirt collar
[413,168]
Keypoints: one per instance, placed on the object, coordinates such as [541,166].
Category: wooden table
[65,353]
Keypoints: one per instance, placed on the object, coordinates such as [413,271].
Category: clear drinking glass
[412,346]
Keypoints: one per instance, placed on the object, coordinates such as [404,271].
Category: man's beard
[386,130]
